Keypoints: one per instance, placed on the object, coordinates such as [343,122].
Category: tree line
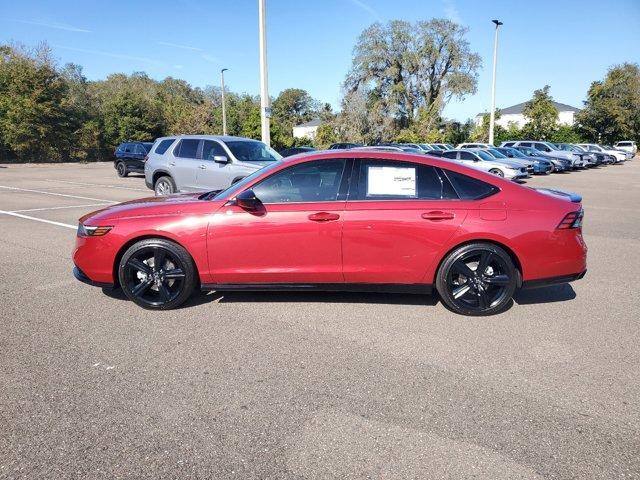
[402,76]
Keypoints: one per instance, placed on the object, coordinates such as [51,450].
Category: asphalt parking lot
[301,385]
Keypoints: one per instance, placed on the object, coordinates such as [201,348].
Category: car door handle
[437,215]
[202,167]
[172,164]
[323,217]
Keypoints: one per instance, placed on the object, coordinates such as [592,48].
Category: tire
[467,292]
[154,288]
[164,186]
[497,171]
[121,168]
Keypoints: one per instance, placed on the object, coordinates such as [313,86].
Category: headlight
[90,231]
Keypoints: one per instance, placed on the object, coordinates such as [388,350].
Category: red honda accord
[341,220]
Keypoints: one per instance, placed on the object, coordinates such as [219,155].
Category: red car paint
[372,241]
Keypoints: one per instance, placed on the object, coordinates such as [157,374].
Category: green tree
[612,109]
[408,72]
[541,115]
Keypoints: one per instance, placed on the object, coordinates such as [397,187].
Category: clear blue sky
[566,44]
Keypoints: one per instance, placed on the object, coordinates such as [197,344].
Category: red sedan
[341,220]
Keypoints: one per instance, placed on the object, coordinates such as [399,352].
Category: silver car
[483,161]
[200,163]
[548,149]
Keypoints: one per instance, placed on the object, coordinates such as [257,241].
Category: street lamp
[265,110]
[492,117]
[224,107]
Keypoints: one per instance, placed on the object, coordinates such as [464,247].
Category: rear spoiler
[573,197]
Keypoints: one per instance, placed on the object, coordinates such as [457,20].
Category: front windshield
[229,191]
[497,153]
[607,147]
[484,155]
[516,153]
[551,146]
[252,151]
[575,148]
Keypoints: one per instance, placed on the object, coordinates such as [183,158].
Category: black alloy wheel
[157,274]
[477,279]
[121,168]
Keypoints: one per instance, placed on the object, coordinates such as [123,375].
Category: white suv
[592,147]
[200,163]
[628,146]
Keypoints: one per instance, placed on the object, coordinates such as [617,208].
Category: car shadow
[552,293]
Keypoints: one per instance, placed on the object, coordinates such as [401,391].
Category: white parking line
[57,194]
[99,185]
[60,208]
[27,217]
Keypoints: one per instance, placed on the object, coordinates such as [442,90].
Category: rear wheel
[164,186]
[121,168]
[157,274]
[497,171]
[477,279]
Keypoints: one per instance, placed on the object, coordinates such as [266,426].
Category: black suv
[130,157]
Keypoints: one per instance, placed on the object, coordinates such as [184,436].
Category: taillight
[571,220]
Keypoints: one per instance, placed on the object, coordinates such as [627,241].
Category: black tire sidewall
[499,172]
[190,280]
[441,278]
[167,179]
[121,169]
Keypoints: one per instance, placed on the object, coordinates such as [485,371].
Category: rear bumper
[543,282]
[80,276]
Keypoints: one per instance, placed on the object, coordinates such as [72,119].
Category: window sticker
[398,181]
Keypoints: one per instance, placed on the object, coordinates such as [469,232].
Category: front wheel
[497,171]
[477,279]
[157,274]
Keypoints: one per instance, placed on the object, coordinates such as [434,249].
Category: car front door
[215,171]
[295,237]
[183,164]
[398,217]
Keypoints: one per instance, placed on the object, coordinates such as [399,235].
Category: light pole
[265,110]
[224,107]
[492,117]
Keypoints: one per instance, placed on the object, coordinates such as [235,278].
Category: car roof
[224,138]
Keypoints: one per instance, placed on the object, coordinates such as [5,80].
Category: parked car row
[191,163]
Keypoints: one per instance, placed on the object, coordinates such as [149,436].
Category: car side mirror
[221,159]
[248,201]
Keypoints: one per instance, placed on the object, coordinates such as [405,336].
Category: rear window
[188,148]
[469,188]
[164,145]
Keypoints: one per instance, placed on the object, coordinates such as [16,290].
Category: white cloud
[367,8]
[57,26]
[184,47]
[451,12]
[121,56]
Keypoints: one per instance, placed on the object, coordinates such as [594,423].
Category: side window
[139,149]
[211,149]
[469,188]
[188,148]
[466,156]
[509,144]
[127,148]
[390,180]
[452,155]
[307,182]
[542,147]
[163,146]
[525,144]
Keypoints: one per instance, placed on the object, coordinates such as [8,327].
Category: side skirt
[419,289]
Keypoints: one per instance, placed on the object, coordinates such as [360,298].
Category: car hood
[147,207]
[511,163]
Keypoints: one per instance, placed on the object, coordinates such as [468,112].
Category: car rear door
[398,217]
[297,236]
[183,164]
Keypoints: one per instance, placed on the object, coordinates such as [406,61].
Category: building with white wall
[513,114]
[307,130]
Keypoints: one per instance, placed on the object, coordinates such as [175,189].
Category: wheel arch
[505,247]
[125,246]
[160,173]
